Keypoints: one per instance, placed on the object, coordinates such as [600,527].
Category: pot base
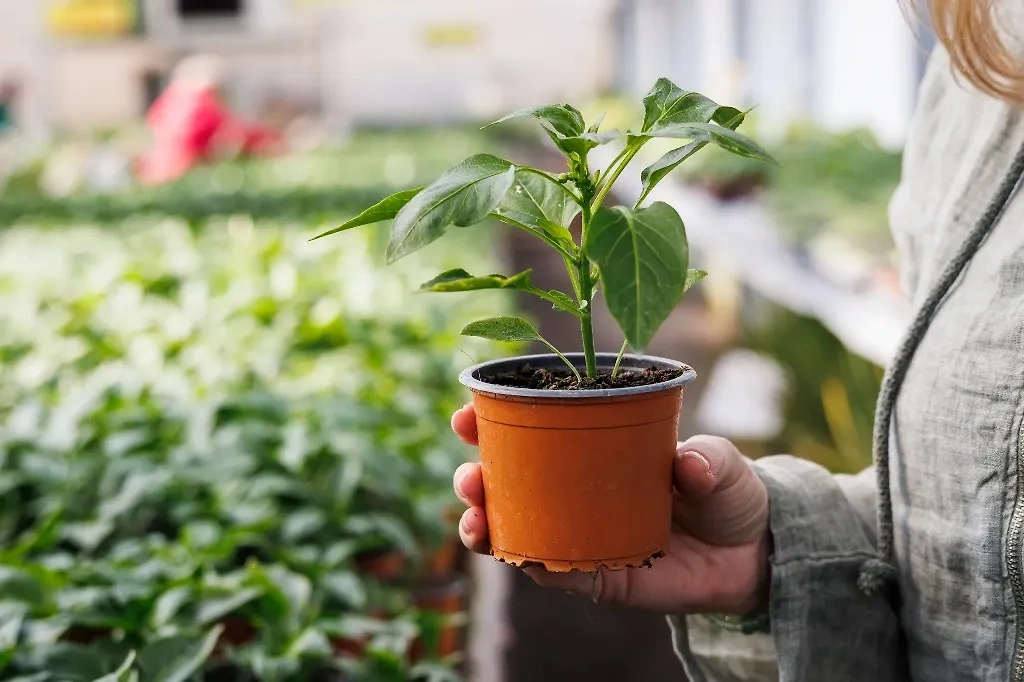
[565,566]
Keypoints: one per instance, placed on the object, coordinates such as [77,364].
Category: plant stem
[587,322]
[630,152]
[571,366]
[586,294]
[622,351]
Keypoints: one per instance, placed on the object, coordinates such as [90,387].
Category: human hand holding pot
[717,560]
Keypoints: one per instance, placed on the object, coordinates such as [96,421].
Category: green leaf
[581,144]
[137,487]
[37,677]
[459,280]
[212,609]
[668,104]
[20,586]
[643,258]
[124,672]
[270,668]
[385,209]
[169,604]
[177,658]
[69,662]
[724,137]
[564,119]
[302,523]
[540,204]
[656,172]
[560,233]
[510,329]
[563,302]
[431,671]
[692,277]
[387,526]
[88,535]
[346,587]
[464,195]
[310,642]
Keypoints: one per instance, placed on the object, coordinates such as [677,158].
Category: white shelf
[744,237]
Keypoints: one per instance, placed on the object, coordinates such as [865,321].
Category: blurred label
[451,35]
[91,18]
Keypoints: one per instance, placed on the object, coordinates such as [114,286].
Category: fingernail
[464,523]
[457,478]
[702,459]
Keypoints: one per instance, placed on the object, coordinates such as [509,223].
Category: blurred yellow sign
[451,35]
[91,18]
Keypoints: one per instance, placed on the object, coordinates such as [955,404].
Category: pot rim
[469,376]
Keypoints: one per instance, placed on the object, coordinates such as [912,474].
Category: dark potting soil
[532,377]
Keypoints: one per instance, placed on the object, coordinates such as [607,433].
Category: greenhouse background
[226,448]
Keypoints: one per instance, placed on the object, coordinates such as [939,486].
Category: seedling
[638,255]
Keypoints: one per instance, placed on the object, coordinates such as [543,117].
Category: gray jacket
[955,452]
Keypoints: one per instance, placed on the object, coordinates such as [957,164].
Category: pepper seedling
[637,255]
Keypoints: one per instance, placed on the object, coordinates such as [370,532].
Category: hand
[717,560]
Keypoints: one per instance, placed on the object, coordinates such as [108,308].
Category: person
[911,570]
[190,124]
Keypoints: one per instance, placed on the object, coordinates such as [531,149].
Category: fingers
[473,530]
[720,500]
[464,424]
[694,475]
[469,484]
[705,464]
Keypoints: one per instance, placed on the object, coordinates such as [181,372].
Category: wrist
[749,615]
[753,599]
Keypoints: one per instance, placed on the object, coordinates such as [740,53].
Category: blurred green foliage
[326,182]
[825,181]
[207,427]
[829,408]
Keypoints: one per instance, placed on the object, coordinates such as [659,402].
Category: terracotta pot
[386,565]
[449,643]
[577,480]
[350,646]
[442,562]
[448,599]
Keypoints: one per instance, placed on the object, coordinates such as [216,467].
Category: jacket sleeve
[822,626]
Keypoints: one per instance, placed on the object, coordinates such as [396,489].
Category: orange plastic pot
[449,599]
[577,480]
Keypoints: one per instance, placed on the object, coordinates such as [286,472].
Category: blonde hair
[970,32]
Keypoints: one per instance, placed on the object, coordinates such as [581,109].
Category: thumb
[719,498]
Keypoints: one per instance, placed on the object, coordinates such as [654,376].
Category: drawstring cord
[880,571]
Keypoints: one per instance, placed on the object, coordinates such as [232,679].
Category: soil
[543,379]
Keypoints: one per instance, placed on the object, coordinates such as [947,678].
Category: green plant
[210,427]
[638,255]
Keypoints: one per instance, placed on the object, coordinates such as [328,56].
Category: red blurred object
[190,125]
